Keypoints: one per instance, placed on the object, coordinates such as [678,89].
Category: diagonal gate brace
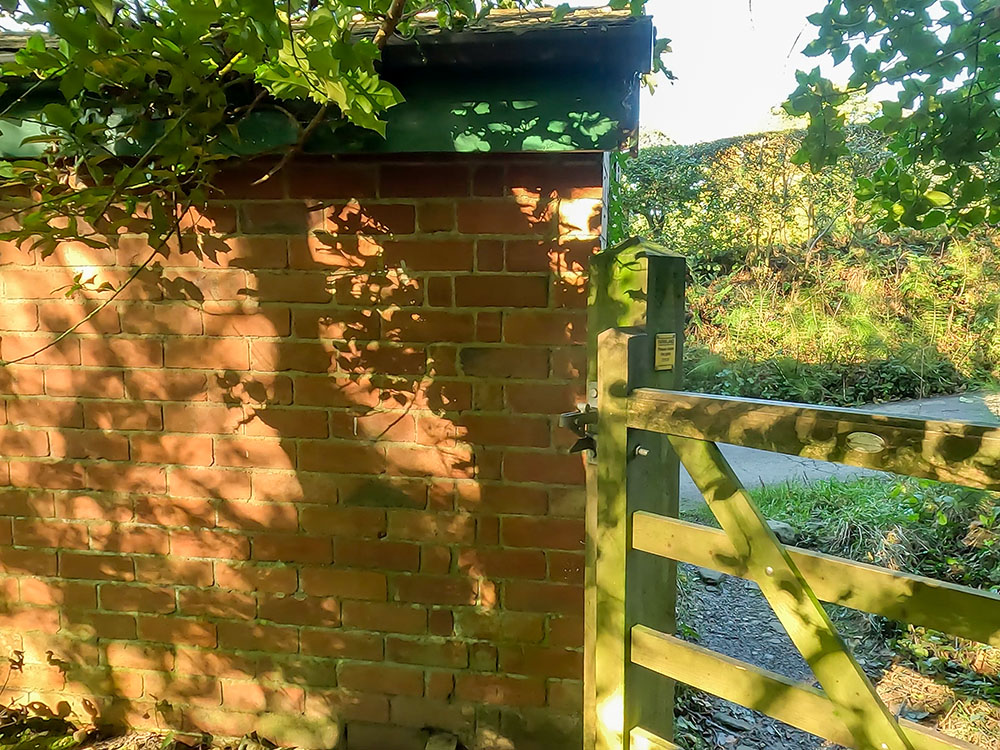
[768,564]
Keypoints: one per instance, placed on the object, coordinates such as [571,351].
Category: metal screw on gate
[769,570]
[640,451]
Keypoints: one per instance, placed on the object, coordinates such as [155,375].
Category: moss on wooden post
[632,283]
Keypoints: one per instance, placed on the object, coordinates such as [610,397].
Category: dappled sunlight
[306,462]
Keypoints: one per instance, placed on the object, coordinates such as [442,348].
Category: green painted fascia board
[561,110]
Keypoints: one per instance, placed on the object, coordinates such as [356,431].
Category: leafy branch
[942,62]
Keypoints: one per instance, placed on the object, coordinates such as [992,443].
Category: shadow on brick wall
[304,477]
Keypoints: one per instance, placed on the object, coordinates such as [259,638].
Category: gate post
[634,470]
[653,484]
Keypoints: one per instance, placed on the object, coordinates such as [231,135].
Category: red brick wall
[305,476]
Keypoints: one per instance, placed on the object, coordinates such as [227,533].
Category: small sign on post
[665,353]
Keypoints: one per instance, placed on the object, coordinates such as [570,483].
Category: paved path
[763,468]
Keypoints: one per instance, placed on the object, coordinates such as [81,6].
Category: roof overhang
[519,82]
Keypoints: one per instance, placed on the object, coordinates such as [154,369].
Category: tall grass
[795,294]
[856,324]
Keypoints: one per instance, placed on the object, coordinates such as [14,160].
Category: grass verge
[938,530]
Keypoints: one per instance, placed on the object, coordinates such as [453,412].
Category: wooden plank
[796,606]
[964,453]
[959,610]
[590,612]
[606,634]
[641,739]
[801,706]
[654,485]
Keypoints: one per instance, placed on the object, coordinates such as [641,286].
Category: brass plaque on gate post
[665,354]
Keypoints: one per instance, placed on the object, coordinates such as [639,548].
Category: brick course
[307,469]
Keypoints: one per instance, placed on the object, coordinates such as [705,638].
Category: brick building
[308,479]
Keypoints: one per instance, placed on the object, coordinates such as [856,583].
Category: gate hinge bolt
[640,451]
[769,570]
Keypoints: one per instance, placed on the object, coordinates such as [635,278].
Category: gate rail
[633,656]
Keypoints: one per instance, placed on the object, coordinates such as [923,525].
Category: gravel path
[722,615]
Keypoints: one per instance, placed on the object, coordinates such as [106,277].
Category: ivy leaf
[106,9]
[938,198]
[560,11]
[933,219]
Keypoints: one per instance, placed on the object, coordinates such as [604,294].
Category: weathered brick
[234,319]
[566,567]
[342,644]
[500,626]
[502,563]
[206,543]
[176,631]
[500,690]
[300,609]
[421,526]
[333,181]
[550,328]
[370,218]
[503,216]
[266,577]
[344,584]
[547,533]
[258,636]
[566,631]
[379,616]
[435,216]
[111,415]
[96,567]
[278,217]
[542,661]
[543,467]
[158,599]
[44,413]
[290,548]
[88,444]
[211,419]
[485,290]
[83,383]
[425,589]
[172,571]
[121,352]
[504,362]
[427,652]
[529,596]
[244,516]
[229,605]
[49,533]
[215,483]
[192,661]
[183,450]
[71,595]
[53,475]
[377,554]
[207,354]
[21,443]
[381,678]
[424,180]
[344,522]
[430,255]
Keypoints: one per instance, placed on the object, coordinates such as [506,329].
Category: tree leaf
[938,198]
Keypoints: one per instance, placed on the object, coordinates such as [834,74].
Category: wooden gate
[644,427]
